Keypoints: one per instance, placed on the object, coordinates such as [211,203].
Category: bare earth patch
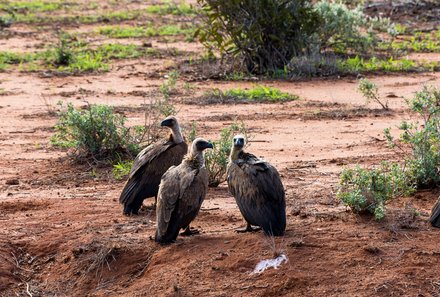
[63,233]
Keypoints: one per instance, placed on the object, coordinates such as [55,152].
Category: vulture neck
[177,134]
[235,151]
[195,159]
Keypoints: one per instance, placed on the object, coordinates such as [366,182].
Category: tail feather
[435,215]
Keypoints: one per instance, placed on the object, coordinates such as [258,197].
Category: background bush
[423,139]
[216,160]
[96,132]
[367,190]
[266,34]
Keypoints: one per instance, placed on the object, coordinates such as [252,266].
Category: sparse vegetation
[134,32]
[256,94]
[216,160]
[368,190]
[370,91]
[181,8]
[423,139]
[95,132]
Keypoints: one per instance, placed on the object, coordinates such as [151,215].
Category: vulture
[435,215]
[258,191]
[149,166]
[181,193]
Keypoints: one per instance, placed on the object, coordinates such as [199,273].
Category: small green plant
[370,91]
[63,53]
[255,94]
[95,132]
[192,133]
[368,190]
[122,169]
[216,160]
[423,139]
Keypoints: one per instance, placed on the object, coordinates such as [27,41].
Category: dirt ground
[63,233]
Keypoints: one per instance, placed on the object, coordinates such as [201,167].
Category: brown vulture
[435,214]
[149,166]
[181,193]
[257,188]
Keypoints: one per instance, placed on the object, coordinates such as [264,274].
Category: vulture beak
[239,142]
[167,123]
[203,145]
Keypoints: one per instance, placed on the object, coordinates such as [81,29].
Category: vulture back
[147,170]
[182,191]
[259,192]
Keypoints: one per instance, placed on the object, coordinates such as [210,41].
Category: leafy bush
[367,190]
[340,28]
[265,33]
[96,132]
[216,160]
[256,94]
[423,139]
[370,91]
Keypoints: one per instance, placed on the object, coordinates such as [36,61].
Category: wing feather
[148,168]
[259,192]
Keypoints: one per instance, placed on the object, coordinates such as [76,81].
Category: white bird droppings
[265,264]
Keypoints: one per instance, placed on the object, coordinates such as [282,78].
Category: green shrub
[423,162]
[368,190]
[256,94]
[96,132]
[216,160]
[370,91]
[265,33]
[63,52]
[341,26]
[122,169]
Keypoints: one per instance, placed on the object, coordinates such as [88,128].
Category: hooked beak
[239,143]
[166,123]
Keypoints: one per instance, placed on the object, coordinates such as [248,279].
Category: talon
[189,232]
[248,229]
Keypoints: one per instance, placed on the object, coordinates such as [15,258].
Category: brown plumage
[258,190]
[435,214]
[149,166]
[181,193]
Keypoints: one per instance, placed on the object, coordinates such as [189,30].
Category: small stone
[12,181]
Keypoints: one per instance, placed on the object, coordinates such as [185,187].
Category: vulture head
[199,145]
[195,156]
[172,123]
[238,144]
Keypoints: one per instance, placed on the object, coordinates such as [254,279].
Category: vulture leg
[248,229]
[435,215]
[189,232]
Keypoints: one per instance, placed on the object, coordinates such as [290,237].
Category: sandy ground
[63,233]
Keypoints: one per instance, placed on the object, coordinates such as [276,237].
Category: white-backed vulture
[181,193]
[149,166]
[435,214]
[258,190]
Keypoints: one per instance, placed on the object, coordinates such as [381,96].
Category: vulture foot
[248,229]
[189,232]
[149,207]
